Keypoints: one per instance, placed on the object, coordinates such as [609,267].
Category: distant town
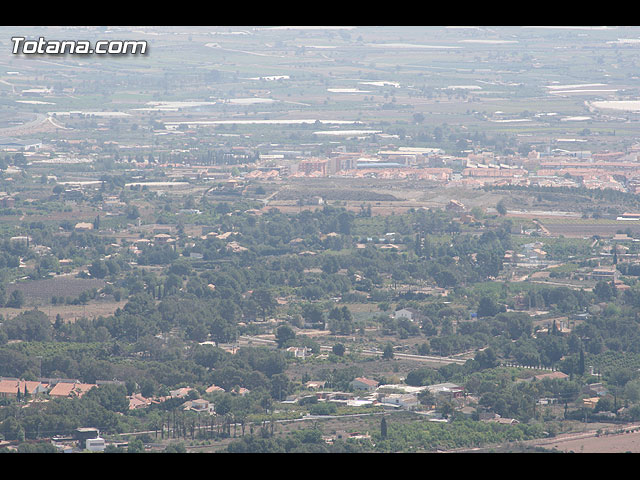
[321,240]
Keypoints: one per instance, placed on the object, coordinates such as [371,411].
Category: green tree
[265,301]
[98,269]
[313,314]
[486,358]
[112,397]
[604,291]
[175,448]
[284,333]
[424,349]
[16,299]
[426,398]
[338,349]
[135,446]
[113,449]
[487,307]
[581,363]
[132,212]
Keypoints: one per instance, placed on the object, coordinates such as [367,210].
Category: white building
[406,401]
[95,444]
[446,390]
[410,314]
[299,352]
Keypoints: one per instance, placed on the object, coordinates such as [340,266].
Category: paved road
[26,128]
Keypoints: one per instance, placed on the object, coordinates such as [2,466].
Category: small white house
[299,352]
[199,405]
[410,314]
[95,444]
[406,401]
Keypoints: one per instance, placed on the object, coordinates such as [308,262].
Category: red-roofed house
[9,388]
[65,389]
[138,401]
[214,388]
[180,392]
[240,391]
[362,383]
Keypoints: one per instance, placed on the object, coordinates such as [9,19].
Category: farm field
[591,442]
[70,313]
[579,228]
[38,292]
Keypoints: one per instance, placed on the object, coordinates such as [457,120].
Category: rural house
[446,391]
[299,352]
[595,389]
[410,314]
[65,389]
[362,383]
[406,401]
[138,401]
[315,384]
[214,388]
[180,392]
[10,387]
[199,405]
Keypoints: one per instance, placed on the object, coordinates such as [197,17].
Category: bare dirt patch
[621,443]
[71,313]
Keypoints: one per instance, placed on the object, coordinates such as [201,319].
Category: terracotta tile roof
[138,401]
[367,381]
[180,392]
[241,391]
[64,389]
[10,387]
